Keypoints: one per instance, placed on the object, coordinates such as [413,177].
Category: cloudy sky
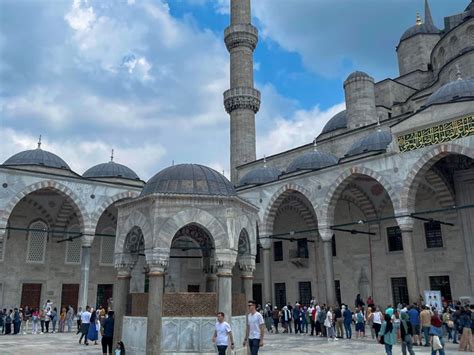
[146,77]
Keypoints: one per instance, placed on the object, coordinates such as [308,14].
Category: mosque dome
[37,157]
[110,170]
[375,141]
[336,122]
[260,176]
[452,91]
[358,74]
[312,161]
[189,179]
[419,29]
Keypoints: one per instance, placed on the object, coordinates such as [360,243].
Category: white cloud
[80,18]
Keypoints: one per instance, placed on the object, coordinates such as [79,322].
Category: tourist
[425,318]
[305,319]
[107,332]
[93,332]
[370,302]
[26,320]
[47,319]
[85,323]
[120,349]
[8,322]
[69,318]
[267,316]
[359,320]
[2,320]
[62,320]
[436,333]
[358,302]
[255,329]
[313,311]
[54,318]
[339,322]
[329,324]
[276,318]
[222,334]
[370,321]
[415,324]
[17,320]
[78,320]
[466,323]
[389,310]
[396,322]
[285,318]
[456,316]
[406,332]
[35,316]
[347,315]
[321,318]
[296,318]
[42,318]
[446,318]
[290,308]
[377,321]
[387,333]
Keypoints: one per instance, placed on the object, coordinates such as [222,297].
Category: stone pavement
[275,344]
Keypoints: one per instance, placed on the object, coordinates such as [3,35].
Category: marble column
[155,309]
[406,228]
[224,289]
[329,271]
[246,274]
[267,275]
[120,298]
[85,271]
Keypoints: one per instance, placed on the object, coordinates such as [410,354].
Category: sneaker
[41,333]
[335,339]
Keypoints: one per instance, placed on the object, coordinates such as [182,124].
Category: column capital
[157,260]
[325,233]
[406,224]
[224,267]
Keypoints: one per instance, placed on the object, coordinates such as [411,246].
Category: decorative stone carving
[239,35]
[224,267]
[242,98]
[157,260]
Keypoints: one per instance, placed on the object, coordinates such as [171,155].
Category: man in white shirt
[85,323]
[222,334]
[255,328]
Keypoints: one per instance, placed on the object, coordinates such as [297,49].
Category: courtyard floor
[275,344]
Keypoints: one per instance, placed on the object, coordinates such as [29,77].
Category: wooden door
[31,295]
[70,295]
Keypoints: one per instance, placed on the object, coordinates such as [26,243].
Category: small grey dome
[260,176]
[375,141]
[358,74]
[110,170]
[312,160]
[336,122]
[38,157]
[192,179]
[423,28]
[452,91]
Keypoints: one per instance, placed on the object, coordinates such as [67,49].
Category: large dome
[37,157]
[424,28]
[260,176]
[312,161]
[375,141]
[189,179]
[110,170]
[452,91]
[336,122]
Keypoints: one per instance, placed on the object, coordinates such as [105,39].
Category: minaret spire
[428,18]
[39,142]
[241,101]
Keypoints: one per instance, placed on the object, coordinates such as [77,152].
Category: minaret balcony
[241,35]
[242,98]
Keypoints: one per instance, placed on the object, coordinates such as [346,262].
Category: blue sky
[146,77]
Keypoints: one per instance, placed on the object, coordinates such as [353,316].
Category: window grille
[305,292]
[107,247]
[433,235]
[280,294]
[278,251]
[399,290]
[73,247]
[37,240]
[442,284]
[394,236]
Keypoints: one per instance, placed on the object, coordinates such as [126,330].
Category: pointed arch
[108,202]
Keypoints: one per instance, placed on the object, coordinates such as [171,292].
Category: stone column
[155,308]
[247,282]
[120,298]
[267,275]
[85,271]
[224,288]
[406,228]
[326,237]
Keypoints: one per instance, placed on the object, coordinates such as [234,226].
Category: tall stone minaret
[241,101]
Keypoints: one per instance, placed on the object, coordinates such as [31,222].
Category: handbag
[437,343]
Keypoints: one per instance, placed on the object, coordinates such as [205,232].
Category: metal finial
[458,72]
[264,161]
[418,19]
[379,128]
[223,172]
[112,156]
[315,145]
[39,142]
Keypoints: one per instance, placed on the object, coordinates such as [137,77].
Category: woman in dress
[93,333]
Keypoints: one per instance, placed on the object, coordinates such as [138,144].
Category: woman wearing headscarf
[388,334]
[93,333]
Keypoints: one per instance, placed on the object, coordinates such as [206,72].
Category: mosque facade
[380,204]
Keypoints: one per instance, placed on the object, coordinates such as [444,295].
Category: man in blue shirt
[415,323]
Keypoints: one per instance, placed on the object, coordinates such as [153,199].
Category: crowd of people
[89,323]
[408,325]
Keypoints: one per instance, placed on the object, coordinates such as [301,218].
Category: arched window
[107,247]
[37,240]
[73,247]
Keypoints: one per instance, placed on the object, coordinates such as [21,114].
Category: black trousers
[221,349]
[313,325]
[107,342]
[297,326]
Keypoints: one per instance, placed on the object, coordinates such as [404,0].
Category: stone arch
[193,216]
[470,35]
[108,202]
[82,215]
[453,44]
[244,247]
[421,166]
[243,222]
[337,188]
[136,219]
[275,201]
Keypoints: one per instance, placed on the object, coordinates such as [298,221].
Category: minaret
[241,101]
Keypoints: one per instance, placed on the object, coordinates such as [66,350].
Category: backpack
[360,318]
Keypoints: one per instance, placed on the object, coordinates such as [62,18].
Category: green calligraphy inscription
[459,128]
